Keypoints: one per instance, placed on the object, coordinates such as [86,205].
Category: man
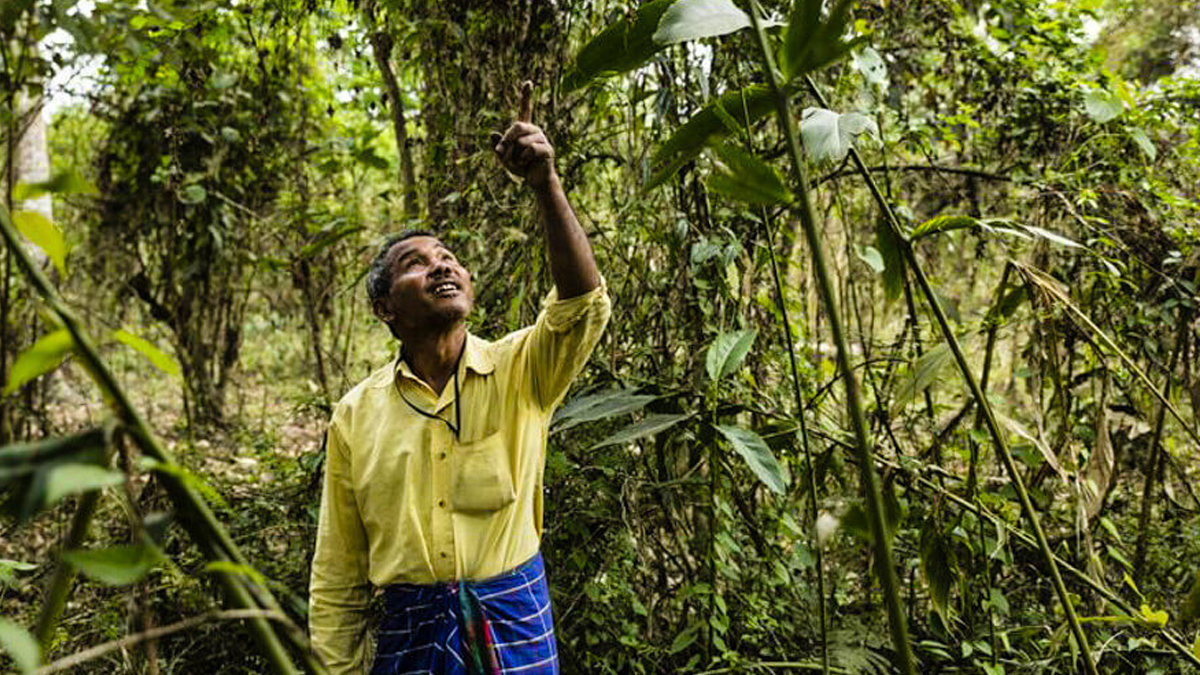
[433,474]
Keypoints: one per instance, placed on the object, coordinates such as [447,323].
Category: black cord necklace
[457,426]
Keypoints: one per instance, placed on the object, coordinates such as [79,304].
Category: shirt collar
[477,357]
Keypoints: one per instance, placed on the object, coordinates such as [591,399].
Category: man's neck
[433,357]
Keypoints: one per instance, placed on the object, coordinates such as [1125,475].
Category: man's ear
[381,311]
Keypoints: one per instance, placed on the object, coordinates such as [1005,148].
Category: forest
[902,373]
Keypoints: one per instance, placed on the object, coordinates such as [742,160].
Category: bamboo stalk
[897,621]
[985,408]
[201,523]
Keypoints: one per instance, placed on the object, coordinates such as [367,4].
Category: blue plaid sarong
[436,629]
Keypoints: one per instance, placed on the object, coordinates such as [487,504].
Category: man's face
[430,289]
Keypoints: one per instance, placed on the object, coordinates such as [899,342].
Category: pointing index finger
[525,112]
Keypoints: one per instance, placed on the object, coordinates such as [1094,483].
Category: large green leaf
[9,568]
[41,357]
[890,248]
[115,566]
[158,357]
[944,223]
[828,136]
[871,65]
[744,177]
[727,351]
[727,113]
[67,479]
[939,567]
[649,426]
[809,43]
[695,19]
[621,403]
[922,374]
[620,48]
[66,182]
[45,235]
[20,646]
[758,456]
[1102,106]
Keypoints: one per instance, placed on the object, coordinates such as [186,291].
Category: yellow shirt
[404,501]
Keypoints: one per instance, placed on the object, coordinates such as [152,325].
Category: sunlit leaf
[1052,236]
[1102,106]
[65,182]
[695,19]
[871,256]
[68,479]
[746,178]
[20,646]
[649,426]
[158,357]
[758,456]
[828,136]
[870,64]
[1144,143]
[45,234]
[727,351]
[622,47]
[117,565]
[1154,618]
[41,357]
[939,224]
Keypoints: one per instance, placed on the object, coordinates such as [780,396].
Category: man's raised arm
[525,151]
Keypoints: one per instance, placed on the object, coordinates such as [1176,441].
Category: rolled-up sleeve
[339,590]
[561,341]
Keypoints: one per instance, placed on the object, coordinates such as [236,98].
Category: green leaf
[224,80]
[117,565]
[230,567]
[20,646]
[707,127]
[696,19]
[810,44]
[744,177]
[67,479]
[871,256]
[193,194]
[65,182]
[939,224]
[1102,106]
[45,234]
[1153,618]
[42,357]
[921,375]
[1052,236]
[231,135]
[605,406]
[1190,610]
[758,456]
[727,351]
[8,569]
[939,567]
[649,426]
[620,48]
[889,246]
[828,136]
[1144,143]
[158,357]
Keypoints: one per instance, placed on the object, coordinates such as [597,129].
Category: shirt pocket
[481,477]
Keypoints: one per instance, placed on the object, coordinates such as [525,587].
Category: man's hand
[523,149]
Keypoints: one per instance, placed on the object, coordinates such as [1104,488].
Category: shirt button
[442,456]
[443,554]
[441,502]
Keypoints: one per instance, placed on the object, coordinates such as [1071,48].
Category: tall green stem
[870,481]
[985,408]
[199,520]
